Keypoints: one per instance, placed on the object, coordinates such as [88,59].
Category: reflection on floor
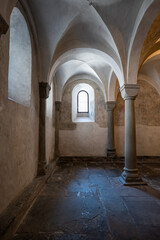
[87,201]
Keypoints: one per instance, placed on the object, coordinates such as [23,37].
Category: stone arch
[83,54]
[148,12]
[88,78]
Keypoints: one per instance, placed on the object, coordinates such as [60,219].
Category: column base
[111,154]
[131,177]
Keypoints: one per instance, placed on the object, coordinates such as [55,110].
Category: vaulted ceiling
[101,40]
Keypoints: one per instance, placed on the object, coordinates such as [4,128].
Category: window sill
[83,119]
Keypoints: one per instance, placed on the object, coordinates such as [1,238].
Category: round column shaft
[130,174]
[44,89]
[130,135]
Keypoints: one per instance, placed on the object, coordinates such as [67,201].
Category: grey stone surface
[88,202]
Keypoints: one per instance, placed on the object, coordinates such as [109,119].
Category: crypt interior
[80,119]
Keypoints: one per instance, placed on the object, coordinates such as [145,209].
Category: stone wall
[66,107]
[147,110]
[83,139]
[19,126]
[90,139]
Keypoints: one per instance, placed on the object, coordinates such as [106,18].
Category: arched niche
[20,60]
[89,115]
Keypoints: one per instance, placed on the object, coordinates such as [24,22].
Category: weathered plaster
[148,106]
[119,140]
[66,111]
[100,49]
[119,111]
[147,110]
[66,108]
[148,139]
[147,122]
[18,134]
[88,139]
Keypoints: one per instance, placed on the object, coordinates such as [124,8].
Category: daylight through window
[20,60]
[83,102]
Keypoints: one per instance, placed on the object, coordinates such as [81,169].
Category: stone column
[57,118]
[44,89]
[111,153]
[3,26]
[130,174]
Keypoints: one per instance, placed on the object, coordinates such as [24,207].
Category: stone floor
[87,201]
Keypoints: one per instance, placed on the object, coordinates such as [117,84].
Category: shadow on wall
[147,109]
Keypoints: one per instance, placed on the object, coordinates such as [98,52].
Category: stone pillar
[111,153]
[3,26]
[57,118]
[44,89]
[130,174]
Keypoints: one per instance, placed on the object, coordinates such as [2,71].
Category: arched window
[20,59]
[82,102]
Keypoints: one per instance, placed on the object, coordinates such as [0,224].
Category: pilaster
[57,119]
[111,152]
[44,90]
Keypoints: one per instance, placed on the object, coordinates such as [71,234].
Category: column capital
[110,105]
[57,105]
[3,26]
[129,91]
[44,89]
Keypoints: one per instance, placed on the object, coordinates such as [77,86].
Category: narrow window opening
[20,60]
[83,102]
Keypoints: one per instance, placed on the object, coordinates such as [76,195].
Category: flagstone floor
[87,201]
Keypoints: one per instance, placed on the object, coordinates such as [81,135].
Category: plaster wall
[148,139]
[147,111]
[83,139]
[148,121]
[119,140]
[90,139]
[18,133]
